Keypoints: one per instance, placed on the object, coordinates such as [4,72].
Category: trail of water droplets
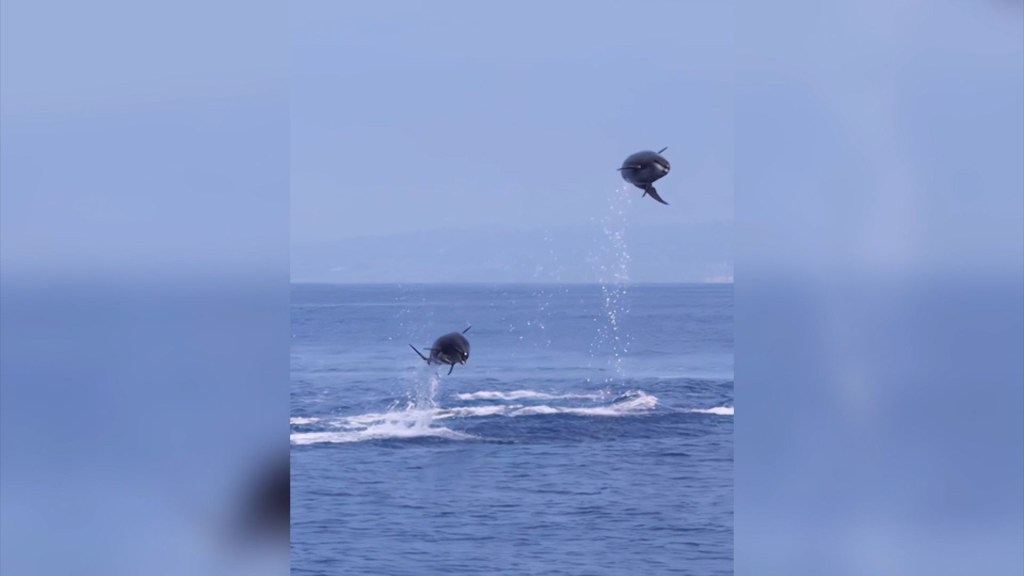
[613,262]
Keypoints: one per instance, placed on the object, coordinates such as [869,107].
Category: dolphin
[449,349]
[643,169]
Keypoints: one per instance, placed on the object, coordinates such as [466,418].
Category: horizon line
[506,283]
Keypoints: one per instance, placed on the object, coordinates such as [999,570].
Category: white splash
[413,422]
[301,421]
[717,410]
[405,424]
[424,395]
[523,394]
[634,403]
[379,432]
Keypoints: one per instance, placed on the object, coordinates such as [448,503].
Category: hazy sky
[491,124]
[462,140]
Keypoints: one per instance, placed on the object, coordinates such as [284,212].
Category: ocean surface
[589,433]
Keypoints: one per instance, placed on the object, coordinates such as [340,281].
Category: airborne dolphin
[449,349]
[643,169]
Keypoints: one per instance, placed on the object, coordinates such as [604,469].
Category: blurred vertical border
[144,210]
[879,315]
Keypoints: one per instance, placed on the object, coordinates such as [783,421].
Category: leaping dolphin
[449,349]
[643,169]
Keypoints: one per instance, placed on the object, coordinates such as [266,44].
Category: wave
[524,394]
[404,425]
[381,432]
[640,403]
[300,421]
[717,410]
[629,403]
[419,423]
[473,411]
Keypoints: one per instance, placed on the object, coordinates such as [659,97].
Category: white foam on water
[523,394]
[717,410]
[406,424]
[414,422]
[371,418]
[471,411]
[300,421]
[386,431]
[635,402]
[535,410]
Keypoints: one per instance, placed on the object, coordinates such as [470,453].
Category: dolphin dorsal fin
[467,329]
[663,149]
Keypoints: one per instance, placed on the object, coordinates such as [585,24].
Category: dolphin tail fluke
[654,194]
[425,359]
[467,328]
[450,369]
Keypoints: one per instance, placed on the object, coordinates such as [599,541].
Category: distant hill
[698,252]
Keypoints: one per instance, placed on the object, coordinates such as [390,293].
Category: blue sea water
[589,433]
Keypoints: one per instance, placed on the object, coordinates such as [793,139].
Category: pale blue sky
[421,124]
[876,122]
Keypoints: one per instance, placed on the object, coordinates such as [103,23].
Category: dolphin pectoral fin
[654,194]
[425,359]
[450,369]
[467,329]
[633,167]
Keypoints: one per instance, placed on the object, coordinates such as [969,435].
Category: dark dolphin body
[449,349]
[643,169]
